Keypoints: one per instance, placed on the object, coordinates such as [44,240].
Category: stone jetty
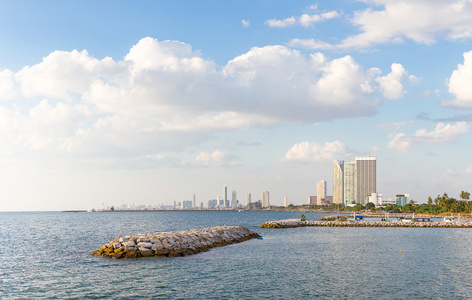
[290,223]
[172,244]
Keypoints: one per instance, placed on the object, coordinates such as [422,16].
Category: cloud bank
[164,95]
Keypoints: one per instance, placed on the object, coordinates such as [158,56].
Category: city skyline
[155,101]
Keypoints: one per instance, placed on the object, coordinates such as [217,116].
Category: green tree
[430,201]
[370,206]
[358,207]
[465,195]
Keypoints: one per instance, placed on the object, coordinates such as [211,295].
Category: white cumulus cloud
[469,170]
[305,20]
[311,152]
[217,158]
[460,84]
[443,133]
[391,85]
[288,22]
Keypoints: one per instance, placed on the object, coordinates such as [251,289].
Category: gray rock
[145,245]
[157,245]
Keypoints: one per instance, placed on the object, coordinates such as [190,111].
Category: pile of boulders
[171,244]
[289,223]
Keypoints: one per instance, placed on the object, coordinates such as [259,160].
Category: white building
[265,199]
[321,192]
[248,199]
[286,202]
[376,198]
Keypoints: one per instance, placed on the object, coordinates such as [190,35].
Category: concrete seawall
[172,244]
[290,223]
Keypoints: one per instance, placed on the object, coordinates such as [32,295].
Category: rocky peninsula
[172,244]
[290,223]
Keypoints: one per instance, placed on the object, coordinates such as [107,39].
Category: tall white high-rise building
[194,201]
[338,181]
[321,192]
[286,202]
[366,178]
[265,199]
[248,199]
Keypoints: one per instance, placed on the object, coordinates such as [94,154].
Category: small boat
[449,219]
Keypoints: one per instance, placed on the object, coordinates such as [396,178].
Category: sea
[46,255]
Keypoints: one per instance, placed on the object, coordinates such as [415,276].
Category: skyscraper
[286,202]
[225,200]
[338,181]
[320,192]
[248,199]
[265,199]
[366,174]
[349,183]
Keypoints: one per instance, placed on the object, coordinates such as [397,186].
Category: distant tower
[248,199]
[320,192]
[194,204]
[265,199]
[233,199]
[218,201]
[226,196]
[286,202]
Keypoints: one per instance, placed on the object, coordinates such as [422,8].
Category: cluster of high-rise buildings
[225,203]
[354,181]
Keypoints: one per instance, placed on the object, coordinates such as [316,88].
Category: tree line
[441,204]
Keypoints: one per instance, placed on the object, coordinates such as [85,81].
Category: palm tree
[430,201]
[465,195]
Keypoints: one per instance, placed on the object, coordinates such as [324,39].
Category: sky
[149,102]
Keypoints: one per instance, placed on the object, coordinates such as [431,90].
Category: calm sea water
[47,255]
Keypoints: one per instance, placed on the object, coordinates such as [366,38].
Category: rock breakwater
[290,223]
[173,244]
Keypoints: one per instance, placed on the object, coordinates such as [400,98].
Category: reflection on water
[47,255]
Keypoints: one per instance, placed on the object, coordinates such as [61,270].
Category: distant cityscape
[353,183]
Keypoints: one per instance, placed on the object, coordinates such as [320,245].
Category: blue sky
[154,101]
